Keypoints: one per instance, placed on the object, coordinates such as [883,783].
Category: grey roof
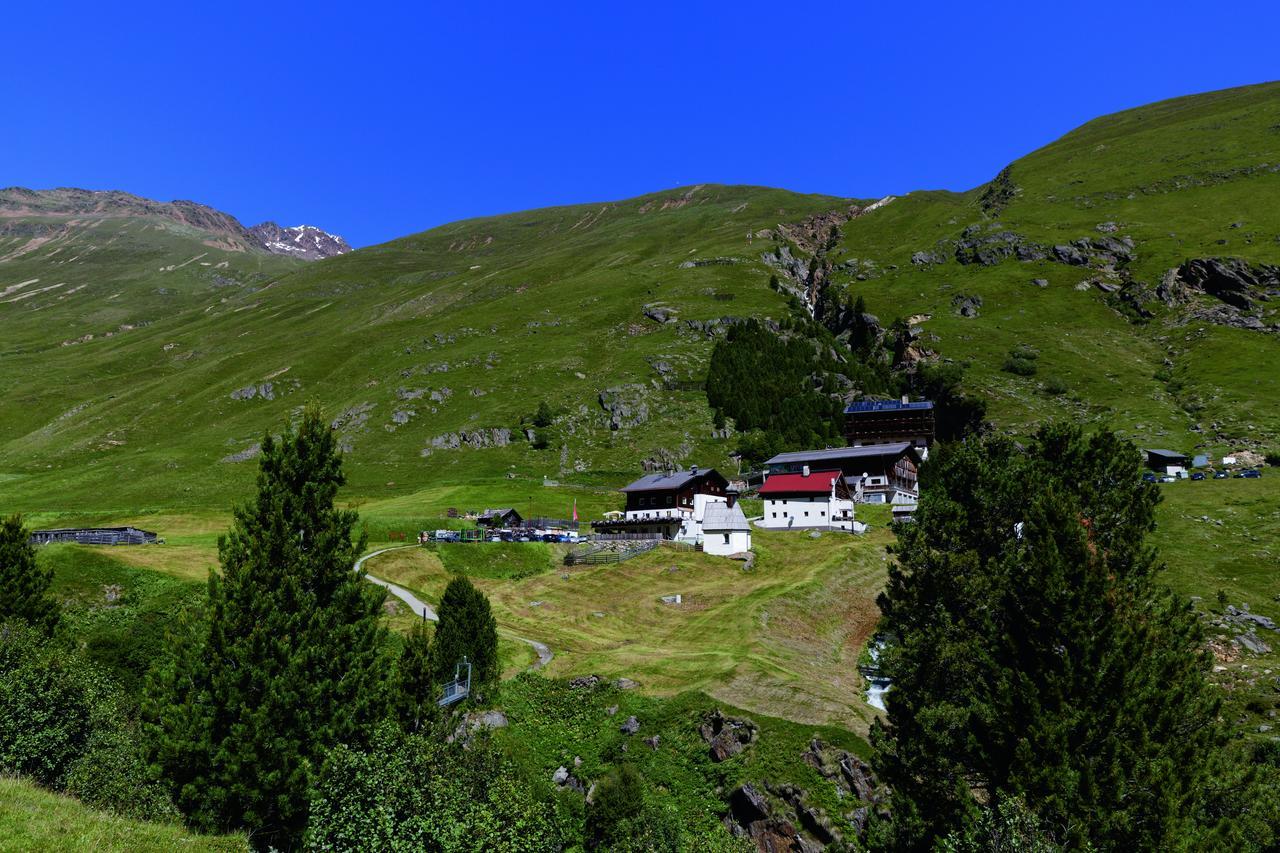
[664,480]
[886,406]
[721,516]
[1168,454]
[867,450]
[499,512]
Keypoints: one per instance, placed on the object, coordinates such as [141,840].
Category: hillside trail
[424,610]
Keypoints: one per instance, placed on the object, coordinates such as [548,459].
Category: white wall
[790,513]
[713,542]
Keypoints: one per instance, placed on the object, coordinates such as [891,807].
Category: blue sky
[375,120]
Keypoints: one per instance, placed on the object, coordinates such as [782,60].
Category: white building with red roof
[811,499]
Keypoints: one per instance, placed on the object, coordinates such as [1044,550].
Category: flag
[575,509]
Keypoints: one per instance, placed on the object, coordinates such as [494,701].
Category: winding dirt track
[424,610]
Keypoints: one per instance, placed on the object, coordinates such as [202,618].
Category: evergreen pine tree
[1034,655]
[24,585]
[286,664]
[415,680]
[466,629]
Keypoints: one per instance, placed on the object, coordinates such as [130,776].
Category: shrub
[1055,386]
[1273,458]
[51,700]
[1019,366]
[112,774]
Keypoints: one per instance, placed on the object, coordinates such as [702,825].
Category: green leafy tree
[466,629]
[24,585]
[414,679]
[288,662]
[1034,655]
[544,416]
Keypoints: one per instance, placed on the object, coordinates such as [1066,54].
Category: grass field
[34,819]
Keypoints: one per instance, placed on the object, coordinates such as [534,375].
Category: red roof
[817,483]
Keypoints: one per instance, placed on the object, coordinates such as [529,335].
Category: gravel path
[424,610]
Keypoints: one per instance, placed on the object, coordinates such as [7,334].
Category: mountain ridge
[303,241]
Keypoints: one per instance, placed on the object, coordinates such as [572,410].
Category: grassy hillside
[431,352]
[1195,177]
[34,819]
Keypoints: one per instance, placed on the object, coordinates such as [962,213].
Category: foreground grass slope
[34,819]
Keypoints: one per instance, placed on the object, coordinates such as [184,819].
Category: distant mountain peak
[299,241]
[305,242]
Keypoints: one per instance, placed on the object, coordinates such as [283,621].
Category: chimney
[731,496]
[693,469]
[804,471]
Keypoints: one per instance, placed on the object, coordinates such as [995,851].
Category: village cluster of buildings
[803,490]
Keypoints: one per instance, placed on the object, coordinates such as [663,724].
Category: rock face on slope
[300,241]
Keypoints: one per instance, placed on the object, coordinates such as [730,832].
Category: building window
[726,539]
[775,515]
[806,513]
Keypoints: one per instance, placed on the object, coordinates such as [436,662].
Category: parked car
[1249,474]
[1198,475]
[1167,478]
[1148,477]
[1220,475]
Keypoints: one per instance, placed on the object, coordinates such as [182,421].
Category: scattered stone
[624,406]
[561,775]
[659,314]
[815,535]
[253,451]
[625,684]
[630,727]
[584,682]
[1040,282]
[611,710]
[112,592]
[654,742]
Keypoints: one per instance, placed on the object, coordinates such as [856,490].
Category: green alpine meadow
[720,518]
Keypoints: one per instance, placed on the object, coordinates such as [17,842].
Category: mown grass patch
[498,560]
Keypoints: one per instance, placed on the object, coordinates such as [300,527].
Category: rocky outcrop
[996,197]
[966,305]
[659,313]
[1231,280]
[624,405]
[928,259]
[726,736]
[989,245]
[477,438]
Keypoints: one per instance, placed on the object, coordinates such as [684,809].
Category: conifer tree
[414,679]
[1034,655]
[466,628]
[24,585]
[287,662]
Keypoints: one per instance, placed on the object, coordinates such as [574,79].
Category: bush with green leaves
[413,793]
[624,817]
[1055,386]
[1019,366]
[51,701]
[63,724]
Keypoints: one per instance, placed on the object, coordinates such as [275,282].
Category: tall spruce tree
[287,662]
[466,629]
[415,680]
[24,585]
[1034,655]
